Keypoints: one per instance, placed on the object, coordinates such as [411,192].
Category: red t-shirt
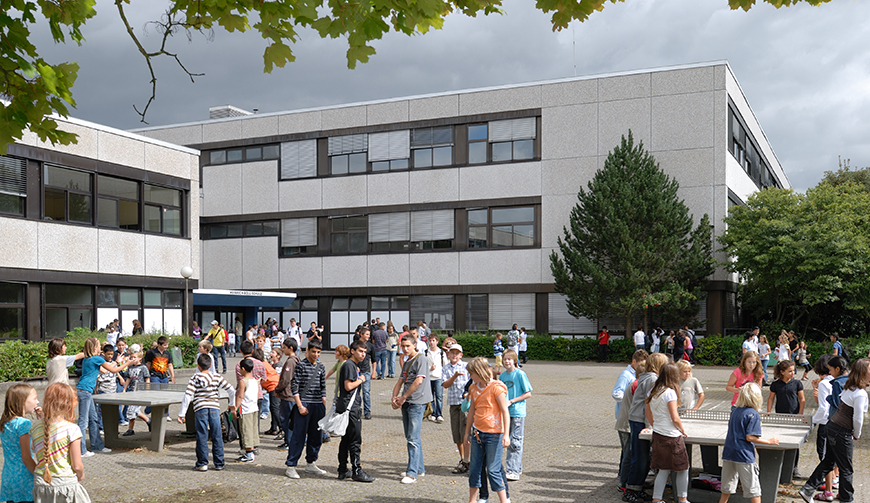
[603,337]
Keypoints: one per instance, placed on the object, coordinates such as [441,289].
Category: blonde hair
[92,347]
[684,365]
[14,407]
[480,367]
[206,345]
[750,396]
[655,362]
[59,404]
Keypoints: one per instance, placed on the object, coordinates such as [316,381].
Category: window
[742,146]
[432,230]
[501,227]
[513,140]
[345,315]
[510,308]
[432,146]
[13,185]
[395,309]
[477,151]
[435,310]
[162,310]
[348,234]
[118,203]
[389,151]
[68,307]
[68,195]
[11,311]
[477,313]
[298,236]
[390,231]
[247,229]
[162,210]
[246,154]
[298,159]
[347,154]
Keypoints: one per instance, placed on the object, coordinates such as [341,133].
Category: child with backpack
[202,390]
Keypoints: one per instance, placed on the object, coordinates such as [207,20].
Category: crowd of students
[651,389]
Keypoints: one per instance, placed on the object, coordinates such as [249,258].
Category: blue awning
[242,298]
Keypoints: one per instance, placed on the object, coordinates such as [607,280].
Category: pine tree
[630,243]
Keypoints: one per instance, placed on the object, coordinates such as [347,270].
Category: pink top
[741,380]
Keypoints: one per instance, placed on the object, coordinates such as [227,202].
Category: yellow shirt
[217,336]
[58,459]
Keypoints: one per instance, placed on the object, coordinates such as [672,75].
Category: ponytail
[46,474]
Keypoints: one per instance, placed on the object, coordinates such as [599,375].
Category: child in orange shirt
[485,429]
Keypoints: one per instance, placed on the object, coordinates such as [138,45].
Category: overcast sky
[805,70]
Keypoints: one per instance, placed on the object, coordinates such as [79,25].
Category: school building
[443,207]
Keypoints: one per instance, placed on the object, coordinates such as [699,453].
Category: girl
[197,330]
[55,440]
[801,359]
[88,418]
[342,353]
[738,454]
[436,361]
[485,430]
[786,391]
[844,426]
[783,351]
[17,484]
[392,347]
[57,368]
[764,356]
[748,370]
[497,351]
[821,391]
[668,448]
[636,421]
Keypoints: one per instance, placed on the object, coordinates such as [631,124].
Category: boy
[622,393]
[351,381]
[202,389]
[205,348]
[282,391]
[691,391]
[259,375]
[106,381]
[309,392]
[497,350]
[137,376]
[246,403]
[519,390]
[454,376]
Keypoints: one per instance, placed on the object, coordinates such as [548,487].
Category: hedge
[21,360]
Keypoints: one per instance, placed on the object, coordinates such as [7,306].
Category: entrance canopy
[242,298]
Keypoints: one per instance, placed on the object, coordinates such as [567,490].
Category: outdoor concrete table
[708,428]
[159,397]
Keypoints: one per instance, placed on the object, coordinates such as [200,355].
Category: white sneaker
[201,468]
[88,454]
[105,450]
[403,474]
[481,500]
[512,476]
[290,472]
[264,416]
[124,423]
[168,419]
[439,420]
[409,480]
[432,418]
[312,468]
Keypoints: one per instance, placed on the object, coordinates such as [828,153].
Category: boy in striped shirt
[202,389]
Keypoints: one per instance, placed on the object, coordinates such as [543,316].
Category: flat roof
[242,298]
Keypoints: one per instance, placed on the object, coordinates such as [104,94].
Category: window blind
[298,159]
[562,321]
[431,225]
[512,129]
[389,227]
[389,145]
[347,144]
[509,308]
[13,176]
[298,232]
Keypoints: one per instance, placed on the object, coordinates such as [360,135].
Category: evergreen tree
[630,243]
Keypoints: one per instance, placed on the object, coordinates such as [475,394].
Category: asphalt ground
[571,452]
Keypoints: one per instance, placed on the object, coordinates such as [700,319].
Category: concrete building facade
[96,231]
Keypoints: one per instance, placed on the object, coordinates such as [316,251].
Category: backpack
[272,378]
[834,398]
[512,339]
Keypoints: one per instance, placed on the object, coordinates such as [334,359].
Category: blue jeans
[513,460]
[640,457]
[764,362]
[437,396]
[208,425]
[264,405]
[486,451]
[220,351]
[391,363]
[367,394]
[306,427]
[625,458]
[154,380]
[285,412]
[412,423]
[381,357]
[88,420]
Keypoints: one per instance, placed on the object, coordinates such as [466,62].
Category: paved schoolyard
[571,453]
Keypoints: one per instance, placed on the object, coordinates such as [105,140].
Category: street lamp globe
[186,272]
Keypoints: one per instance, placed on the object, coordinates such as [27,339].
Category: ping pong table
[708,428]
[158,396]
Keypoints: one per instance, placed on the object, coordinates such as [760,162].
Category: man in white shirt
[639,339]
[295,332]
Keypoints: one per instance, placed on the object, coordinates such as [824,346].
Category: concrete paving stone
[570,454]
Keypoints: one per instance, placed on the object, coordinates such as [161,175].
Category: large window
[11,311]
[477,144]
[507,309]
[13,185]
[68,195]
[241,229]
[162,210]
[348,234]
[118,203]
[345,315]
[298,236]
[742,146]
[502,141]
[298,159]
[389,151]
[432,146]
[347,154]
[68,307]
[243,154]
[390,231]
[395,309]
[501,227]
[435,310]
[477,313]
[432,230]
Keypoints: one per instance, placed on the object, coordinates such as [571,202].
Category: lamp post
[186,273]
